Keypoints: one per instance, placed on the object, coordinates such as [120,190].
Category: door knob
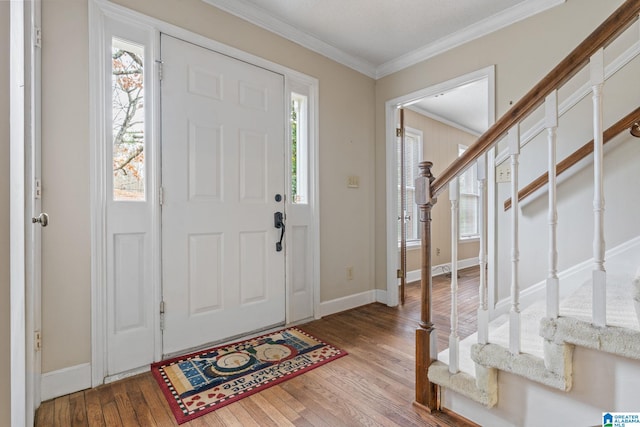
[43,219]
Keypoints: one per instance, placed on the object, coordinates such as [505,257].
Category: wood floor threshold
[374,385]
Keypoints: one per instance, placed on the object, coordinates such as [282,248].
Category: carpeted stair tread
[620,308]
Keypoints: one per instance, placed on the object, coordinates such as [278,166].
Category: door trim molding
[391,118]
[24,165]
[17,213]
[99,11]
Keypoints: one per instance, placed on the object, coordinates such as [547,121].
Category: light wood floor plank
[95,417]
[61,411]
[78,410]
[44,416]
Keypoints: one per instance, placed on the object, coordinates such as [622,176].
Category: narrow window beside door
[127,61]
[299,149]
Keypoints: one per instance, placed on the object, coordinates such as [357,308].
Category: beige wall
[66,261]
[522,53]
[5,355]
[346,148]
[440,145]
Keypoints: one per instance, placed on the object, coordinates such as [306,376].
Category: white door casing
[107,19]
[222,166]
[25,204]
[131,242]
[391,121]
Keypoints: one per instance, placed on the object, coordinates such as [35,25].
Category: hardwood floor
[372,386]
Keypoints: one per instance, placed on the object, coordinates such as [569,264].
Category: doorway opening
[450,116]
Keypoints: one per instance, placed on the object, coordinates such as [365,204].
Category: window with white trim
[299,148]
[413,156]
[128,120]
[469,201]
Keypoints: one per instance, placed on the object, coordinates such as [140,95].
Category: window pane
[127,86]
[299,149]
[468,215]
[469,200]
[413,155]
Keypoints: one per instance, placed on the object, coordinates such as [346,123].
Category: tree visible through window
[128,120]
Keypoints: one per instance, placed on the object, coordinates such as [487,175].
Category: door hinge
[399,273]
[37,37]
[159,62]
[161,195]
[162,315]
[37,189]
[37,341]
[398,132]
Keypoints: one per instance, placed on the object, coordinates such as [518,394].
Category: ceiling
[465,107]
[380,37]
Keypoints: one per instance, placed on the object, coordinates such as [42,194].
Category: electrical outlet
[437,251]
[349,273]
[37,341]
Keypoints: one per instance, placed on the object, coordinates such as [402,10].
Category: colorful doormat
[202,382]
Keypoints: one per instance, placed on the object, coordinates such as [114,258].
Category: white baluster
[599,274]
[454,339]
[514,315]
[553,289]
[483,306]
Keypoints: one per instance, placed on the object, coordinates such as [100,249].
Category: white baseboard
[381,296]
[346,303]
[437,270]
[414,276]
[65,381]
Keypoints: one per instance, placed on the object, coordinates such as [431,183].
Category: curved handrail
[620,126]
[615,24]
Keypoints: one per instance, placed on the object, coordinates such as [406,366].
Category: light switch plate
[503,172]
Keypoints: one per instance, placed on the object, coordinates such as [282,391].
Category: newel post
[426,351]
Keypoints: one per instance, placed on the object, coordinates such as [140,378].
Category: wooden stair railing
[620,126]
[429,188]
[619,21]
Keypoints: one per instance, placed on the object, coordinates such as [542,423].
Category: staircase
[558,339]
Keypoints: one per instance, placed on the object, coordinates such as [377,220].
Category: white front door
[223,134]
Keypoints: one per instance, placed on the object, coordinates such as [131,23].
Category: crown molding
[270,23]
[441,119]
[494,23]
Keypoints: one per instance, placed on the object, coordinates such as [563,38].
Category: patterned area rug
[202,382]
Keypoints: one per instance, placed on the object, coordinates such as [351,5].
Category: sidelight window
[299,149]
[128,120]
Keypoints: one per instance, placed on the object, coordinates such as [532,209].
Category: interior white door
[222,167]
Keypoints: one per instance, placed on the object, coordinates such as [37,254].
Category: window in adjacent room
[413,156]
[469,201]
